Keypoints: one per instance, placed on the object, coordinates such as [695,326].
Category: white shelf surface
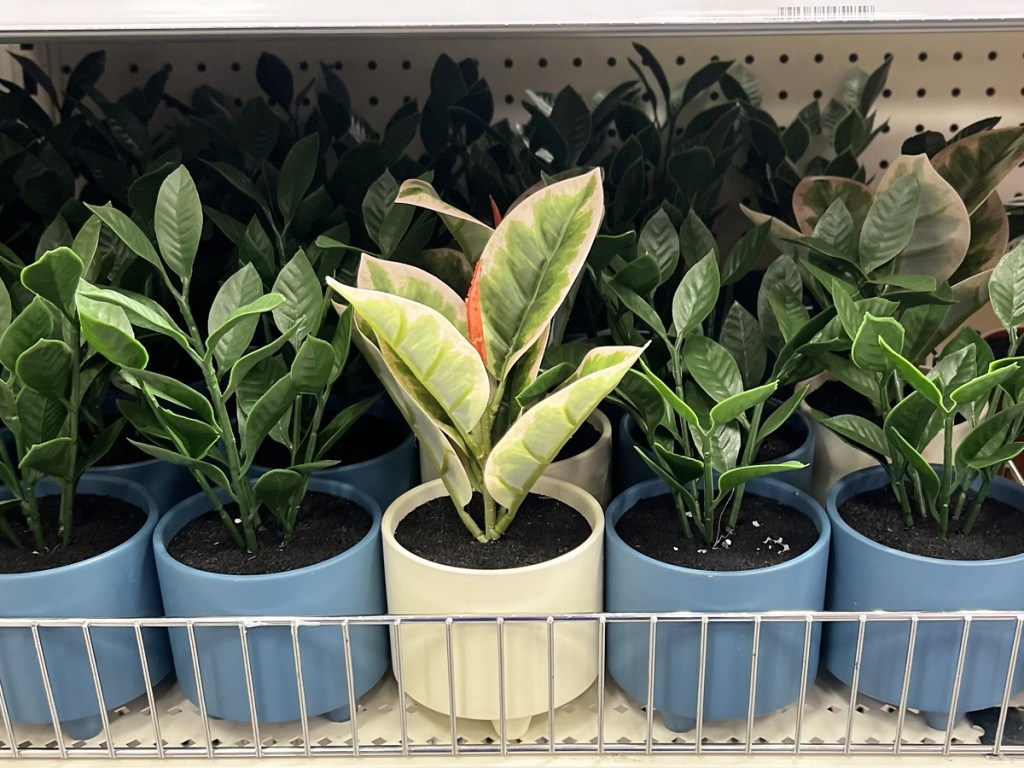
[113,18]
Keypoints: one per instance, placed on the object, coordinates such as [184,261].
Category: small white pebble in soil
[728,542]
[675,549]
[755,523]
[238,521]
[702,551]
[785,547]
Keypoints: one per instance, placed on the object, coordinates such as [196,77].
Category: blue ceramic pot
[867,576]
[630,469]
[351,583]
[637,583]
[167,483]
[118,583]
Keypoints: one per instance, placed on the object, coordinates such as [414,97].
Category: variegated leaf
[976,165]
[969,296]
[529,446]
[434,350]
[414,284]
[472,235]
[815,194]
[942,230]
[990,234]
[531,263]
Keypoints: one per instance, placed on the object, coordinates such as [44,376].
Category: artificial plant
[965,383]
[465,373]
[269,385]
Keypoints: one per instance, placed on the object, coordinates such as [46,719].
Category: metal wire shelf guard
[828,717]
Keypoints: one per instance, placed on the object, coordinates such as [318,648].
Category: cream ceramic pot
[571,583]
[591,470]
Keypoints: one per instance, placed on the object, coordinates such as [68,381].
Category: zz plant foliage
[966,383]
[279,390]
[466,373]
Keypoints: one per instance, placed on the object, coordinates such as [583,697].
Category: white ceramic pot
[591,470]
[834,458]
[571,583]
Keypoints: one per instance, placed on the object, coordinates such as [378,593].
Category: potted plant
[225,551]
[911,535]
[71,543]
[678,544]
[644,300]
[465,374]
[924,240]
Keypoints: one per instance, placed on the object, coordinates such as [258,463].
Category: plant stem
[68,487]
[979,499]
[707,523]
[684,521]
[749,452]
[947,474]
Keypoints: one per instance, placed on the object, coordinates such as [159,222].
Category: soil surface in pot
[768,533]
[367,439]
[834,398]
[779,443]
[582,439]
[327,526]
[544,528]
[998,531]
[99,524]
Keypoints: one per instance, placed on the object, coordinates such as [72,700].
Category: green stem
[684,521]
[947,474]
[749,452]
[225,518]
[707,523]
[67,491]
[979,499]
[900,493]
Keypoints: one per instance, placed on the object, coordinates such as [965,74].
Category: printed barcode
[814,12]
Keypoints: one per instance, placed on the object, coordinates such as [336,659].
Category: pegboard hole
[133,68]
[887,93]
[374,101]
[918,128]
[303,66]
[958,56]
[680,61]
[201,66]
[922,56]
[783,95]
[713,96]
[784,58]
[883,164]
[992,55]
[577,62]
[817,93]
[509,63]
[338,65]
[371,64]
[406,64]
[542,62]
[818,58]
[236,67]
[921,93]
[955,93]
[611,61]
[853,58]
[749,58]
[509,98]
[990,91]
[953,128]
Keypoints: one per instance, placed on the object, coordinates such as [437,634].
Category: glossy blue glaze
[630,469]
[118,583]
[867,576]
[351,583]
[635,582]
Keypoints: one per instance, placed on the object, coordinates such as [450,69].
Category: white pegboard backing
[938,81]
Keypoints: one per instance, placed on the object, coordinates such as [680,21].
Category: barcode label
[817,12]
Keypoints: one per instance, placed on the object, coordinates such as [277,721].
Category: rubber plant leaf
[414,284]
[977,164]
[533,441]
[471,234]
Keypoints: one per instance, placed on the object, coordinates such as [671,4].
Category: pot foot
[938,720]
[678,723]
[84,727]
[515,727]
[340,715]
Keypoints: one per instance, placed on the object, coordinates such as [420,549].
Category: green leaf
[243,287]
[205,468]
[695,297]
[442,361]
[780,415]
[990,235]
[733,407]
[256,249]
[279,490]
[940,230]
[857,430]
[790,313]
[977,164]
[712,367]
[930,483]
[302,296]
[695,239]
[889,224]
[341,423]
[296,175]
[979,387]
[836,227]
[173,391]
[741,335]
[28,326]
[141,311]
[471,235]
[814,196]
[178,220]
[733,478]
[129,233]
[683,469]
[55,277]
[531,262]
[913,376]
[192,438]
[6,310]
[642,400]
[313,367]
[544,383]
[1006,288]
[782,271]
[414,284]
[915,418]
[660,241]
[243,184]
[249,361]
[263,304]
[528,447]
[46,367]
[87,241]
[53,457]
[867,352]
[636,304]
[982,444]
[745,253]
[265,414]
[676,403]
[40,417]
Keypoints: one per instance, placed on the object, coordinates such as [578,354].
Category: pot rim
[389,541]
[89,477]
[832,510]
[321,485]
[818,516]
[604,435]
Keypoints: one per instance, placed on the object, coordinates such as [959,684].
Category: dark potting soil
[998,531]
[99,523]
[543,529]
[367,439]
[768,533]
[834,398]
[582,439]
[327,526]
[781,442]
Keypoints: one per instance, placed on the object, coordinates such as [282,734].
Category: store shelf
[110,18]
